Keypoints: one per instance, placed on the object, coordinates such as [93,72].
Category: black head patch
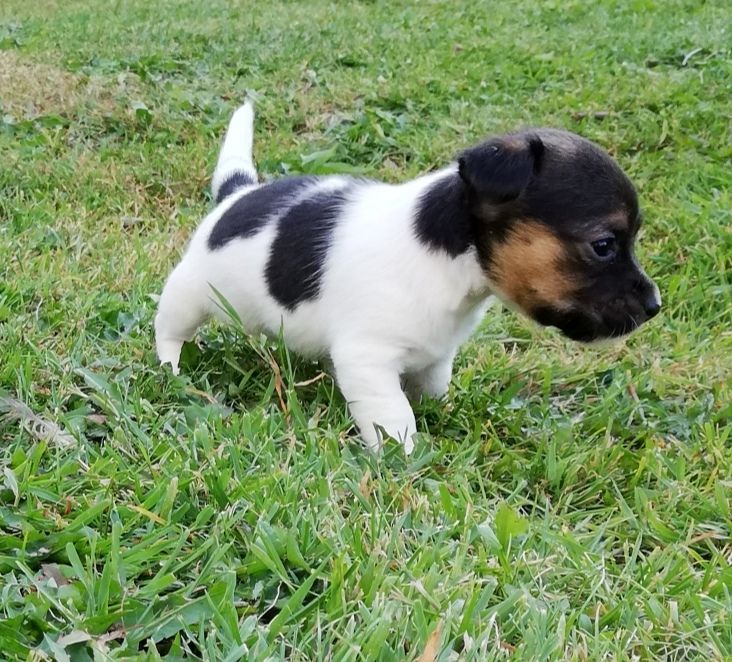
[560,246]
[553,219]
[442,219]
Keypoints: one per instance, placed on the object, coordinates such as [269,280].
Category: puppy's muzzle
[627,312]
[613,318]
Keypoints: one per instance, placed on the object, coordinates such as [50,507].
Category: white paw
[375,442]
[169,352]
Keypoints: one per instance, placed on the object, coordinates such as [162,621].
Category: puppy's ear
[499,170]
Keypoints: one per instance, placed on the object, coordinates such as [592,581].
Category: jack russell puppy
[388,281]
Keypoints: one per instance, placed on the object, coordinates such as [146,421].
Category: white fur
[236,152]
[389,308]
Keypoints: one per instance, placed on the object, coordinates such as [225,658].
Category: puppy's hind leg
[182,309]
[432,381]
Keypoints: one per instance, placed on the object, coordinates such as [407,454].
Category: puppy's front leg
[370,384]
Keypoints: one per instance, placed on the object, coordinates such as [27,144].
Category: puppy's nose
[651,305]
[648,295]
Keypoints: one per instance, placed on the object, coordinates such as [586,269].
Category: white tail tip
[235,167]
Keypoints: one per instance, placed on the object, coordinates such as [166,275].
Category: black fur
[233,183]
[443,220]
[571,192]
[499,170]
[249,214]
[299,250]
[574,324]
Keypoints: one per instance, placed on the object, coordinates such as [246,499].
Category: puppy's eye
[606,248]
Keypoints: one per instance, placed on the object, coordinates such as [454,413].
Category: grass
[570,503]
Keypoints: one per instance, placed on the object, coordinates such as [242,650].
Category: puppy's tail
[235,167]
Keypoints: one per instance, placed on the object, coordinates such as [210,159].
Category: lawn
[568,502]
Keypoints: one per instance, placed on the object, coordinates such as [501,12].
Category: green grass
[570,503]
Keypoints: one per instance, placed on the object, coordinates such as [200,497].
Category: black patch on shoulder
[443,220]
[299,250]
[249,214]
[234,182]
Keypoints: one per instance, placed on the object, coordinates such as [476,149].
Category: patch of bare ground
[30,89]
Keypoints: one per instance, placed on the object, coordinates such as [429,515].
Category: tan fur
[530,267]
[618,222]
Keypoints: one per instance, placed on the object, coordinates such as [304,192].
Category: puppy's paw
[169,352]
[375,442]
[173,367]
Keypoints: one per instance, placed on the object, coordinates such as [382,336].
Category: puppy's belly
[302,329]
[237,271]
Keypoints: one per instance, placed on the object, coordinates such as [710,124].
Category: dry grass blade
[279,385]
[41,428]
[307,382]
[432,647]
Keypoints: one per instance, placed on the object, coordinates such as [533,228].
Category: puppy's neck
[443,219]
[445,223]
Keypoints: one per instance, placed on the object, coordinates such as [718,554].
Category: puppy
[388,280]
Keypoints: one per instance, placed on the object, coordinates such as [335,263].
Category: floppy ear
[501,169]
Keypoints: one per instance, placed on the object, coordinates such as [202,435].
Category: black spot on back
[443,220]
[236,181]
[299,250]
[249,214]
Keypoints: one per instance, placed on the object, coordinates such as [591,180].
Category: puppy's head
[556,223]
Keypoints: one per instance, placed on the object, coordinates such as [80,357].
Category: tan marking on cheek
[530,267]
[617,222]
[513,143]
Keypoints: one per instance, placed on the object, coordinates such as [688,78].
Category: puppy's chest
[440,333]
